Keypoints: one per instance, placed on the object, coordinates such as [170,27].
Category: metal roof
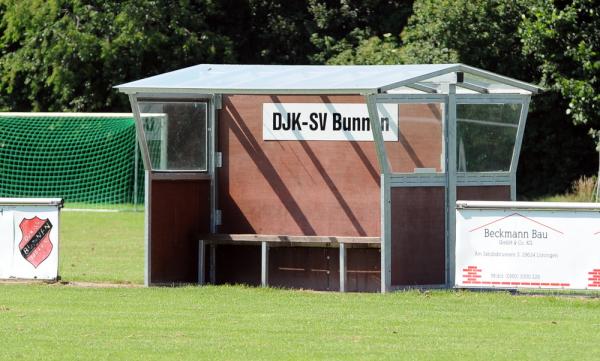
[320,79]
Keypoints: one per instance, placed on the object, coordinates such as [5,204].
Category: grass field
[102,247]
[59,322]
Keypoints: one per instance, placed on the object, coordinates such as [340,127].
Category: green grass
[102,247]
[237,323]
[58,322]
[127,207]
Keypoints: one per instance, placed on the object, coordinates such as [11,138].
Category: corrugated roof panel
[275,77]
[224,78]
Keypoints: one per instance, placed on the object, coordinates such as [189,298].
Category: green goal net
[89,160]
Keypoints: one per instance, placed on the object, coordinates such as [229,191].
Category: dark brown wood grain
[418,236]
[180,212]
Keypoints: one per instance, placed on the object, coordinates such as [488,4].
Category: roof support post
[517,148]
[343,267]
[147,219]
[140,135]
[384,164]
[385,203]
[451,167]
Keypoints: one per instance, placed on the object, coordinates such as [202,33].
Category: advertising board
[527,245]
[29,236]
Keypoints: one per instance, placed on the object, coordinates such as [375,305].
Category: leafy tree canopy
[61,55]
[564,38]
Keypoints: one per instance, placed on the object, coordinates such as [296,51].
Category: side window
[176,134]
[486,135]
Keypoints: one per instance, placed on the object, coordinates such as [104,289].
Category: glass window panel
[176,134]
[420,145]
[486,135]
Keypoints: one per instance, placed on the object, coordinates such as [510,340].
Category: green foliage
[268,32]
[582,190]
[62,55]
[555,152]
[66,55]
[341,26]
[371,51]
[475,32]
[564,38]
[488,34]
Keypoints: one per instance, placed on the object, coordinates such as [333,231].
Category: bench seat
[266,241]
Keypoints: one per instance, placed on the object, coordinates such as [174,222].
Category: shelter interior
[341,203]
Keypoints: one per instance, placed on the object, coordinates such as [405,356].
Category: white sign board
[326,121]
[527,248]
[29,242]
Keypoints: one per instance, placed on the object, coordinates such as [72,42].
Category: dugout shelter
[277,175]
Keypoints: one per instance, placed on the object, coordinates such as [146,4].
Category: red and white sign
[29,242]
[527,248]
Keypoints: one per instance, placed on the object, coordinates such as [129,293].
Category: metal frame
[443,91]
[451,170]
[159,99]
[451,178]
[213,103]
[147,224]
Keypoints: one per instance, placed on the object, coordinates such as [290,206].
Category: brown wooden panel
[180,212]
[363,268]
[483,193]
[238,264]
[310,187]
[299,267]
[418,235]
[318,268]
[320,188]
[295,267]
[291,187]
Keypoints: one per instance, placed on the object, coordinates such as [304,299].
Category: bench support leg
[342,267]
[201,262]
[264,264]
[213,264]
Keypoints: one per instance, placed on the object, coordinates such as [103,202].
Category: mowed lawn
[61,322]
[102,247]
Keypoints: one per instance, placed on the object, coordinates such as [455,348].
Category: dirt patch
[71,284]
[96,284]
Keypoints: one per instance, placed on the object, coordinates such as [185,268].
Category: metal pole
[342,267]
[264,266]
[451,186]
[385,202]
[597,195]
[201,262]
[136,163]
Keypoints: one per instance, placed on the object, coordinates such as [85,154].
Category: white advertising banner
[29,242]
[528,248]
[326,121]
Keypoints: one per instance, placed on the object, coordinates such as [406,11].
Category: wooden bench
[267,241]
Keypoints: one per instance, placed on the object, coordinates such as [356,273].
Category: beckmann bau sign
[527,248]
[326,121]
[29,241]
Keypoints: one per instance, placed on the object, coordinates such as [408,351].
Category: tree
[61,55]
[475,32]
[342,26]
[564,38]
[374,50]
[487,34]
